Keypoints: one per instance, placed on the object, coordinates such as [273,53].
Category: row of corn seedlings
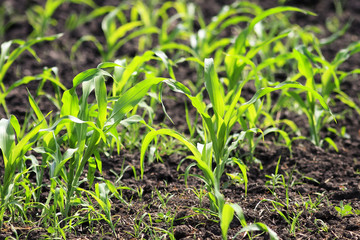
[60,145]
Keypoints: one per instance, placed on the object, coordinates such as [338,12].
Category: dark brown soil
[314,173]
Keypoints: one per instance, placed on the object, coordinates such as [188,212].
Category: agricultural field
[201,119]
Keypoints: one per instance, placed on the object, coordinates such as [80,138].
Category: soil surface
[315,175]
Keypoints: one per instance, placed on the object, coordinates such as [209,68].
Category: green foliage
[41,17]
[85,127]
[344,210]
[116,35]
[239,47]
[76,20]
[217,143]
[96,115]
[13,151]
[260,227]
[8,57]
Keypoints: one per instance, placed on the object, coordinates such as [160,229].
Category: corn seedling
[41,18]
[8,18]
[217,144]
[76,20]
[235,65]
[205,41]
[311,205]
[150,15]
[7,58]
[111,107]
[330,83]
[14,150]
[163,198]
[86,125]
[115,36]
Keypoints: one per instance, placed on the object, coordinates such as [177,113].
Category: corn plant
[7,58]
[235,66]
[102,197]
[48,75]
[236,63]
[218,143]
[41,18]
[206,43]
[51,75]
[8,18]
[115,36]
[76,20]
[330,76]
[174,27]
[13,151]
[87,127]
[310,65]
[126,73]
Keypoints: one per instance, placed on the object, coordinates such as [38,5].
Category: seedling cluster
[114,106]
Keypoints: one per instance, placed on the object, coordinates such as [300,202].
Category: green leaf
[166,61]
[214,87]
[110,65]
[260,227]
[36,109]
[25,143]
[226,218]
[7,139]
[108,25]
[305,68]
[344,54]
[285,85]
[101,98]
[197,155]
[136,33]
[15,124]
[86,38]
[243,169]
[331,143]
[6,59]
[85,76]
[130,99]
[276,10]
[51,230]
[240,213]
[91,170]
[121,31]
[178,46]
[123,76]
[5,49]
[253,51]
[58,166]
